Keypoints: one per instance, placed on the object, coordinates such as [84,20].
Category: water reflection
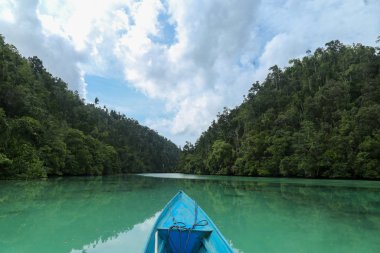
[60,215]
[107,214]
[290,215]
[133,240]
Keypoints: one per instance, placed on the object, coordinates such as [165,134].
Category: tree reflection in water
[256,215]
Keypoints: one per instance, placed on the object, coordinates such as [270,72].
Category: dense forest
[318,118]
[48,130]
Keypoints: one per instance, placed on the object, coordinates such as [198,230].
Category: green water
[115,214]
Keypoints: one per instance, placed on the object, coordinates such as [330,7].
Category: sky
[174,64]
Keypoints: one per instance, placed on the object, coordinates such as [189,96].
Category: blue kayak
[183,227]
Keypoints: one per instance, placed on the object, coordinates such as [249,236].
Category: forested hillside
[319,117]
[46,129]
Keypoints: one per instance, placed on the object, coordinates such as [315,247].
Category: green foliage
[27,130]
[5,164]
[319,117]
[4,130]
[54,154]
[368,157]
[220,158]
[48,130]
[26,163]
[190,162]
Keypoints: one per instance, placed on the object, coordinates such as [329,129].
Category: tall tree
[319,117]
[47,129]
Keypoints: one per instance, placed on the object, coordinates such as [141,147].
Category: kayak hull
[184,227]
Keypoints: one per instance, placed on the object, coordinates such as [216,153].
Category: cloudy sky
[174,64]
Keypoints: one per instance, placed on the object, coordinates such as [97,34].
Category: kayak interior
[184,227]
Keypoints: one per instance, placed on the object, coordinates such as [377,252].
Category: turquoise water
[115,214]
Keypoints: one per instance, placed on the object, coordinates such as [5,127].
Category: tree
[52,131]
[319,117]
[220,159]
[26,163]
[27,130]
[368,157]
[5,165]
[4,130]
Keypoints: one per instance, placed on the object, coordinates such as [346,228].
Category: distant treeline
[46,129]
[319,118]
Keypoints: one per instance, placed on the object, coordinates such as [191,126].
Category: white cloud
[26,32]
[6,14]
[299,26]
[203,70]
[217,49]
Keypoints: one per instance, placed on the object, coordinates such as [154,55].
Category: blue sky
[118,95]
[174,64]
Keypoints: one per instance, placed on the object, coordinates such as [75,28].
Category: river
[115,214]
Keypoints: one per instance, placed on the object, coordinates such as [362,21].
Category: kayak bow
[183,227]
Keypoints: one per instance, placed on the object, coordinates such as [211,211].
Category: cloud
[25,31]
[195,56]
[295,27]
[206,67]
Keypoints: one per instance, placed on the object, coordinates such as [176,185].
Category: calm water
[115,214]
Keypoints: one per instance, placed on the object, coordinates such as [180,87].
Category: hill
[318,118]
[48,130]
